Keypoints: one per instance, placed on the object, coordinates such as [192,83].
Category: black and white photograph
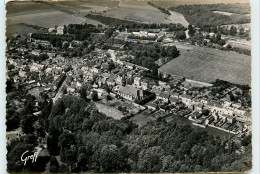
[128,86]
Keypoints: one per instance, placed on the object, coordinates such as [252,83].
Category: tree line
[122,24]
[147,54]
[86,140]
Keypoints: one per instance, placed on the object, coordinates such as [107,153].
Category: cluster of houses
[58,30]
[150,36]
[104,69]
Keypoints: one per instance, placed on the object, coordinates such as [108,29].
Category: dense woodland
[203,15]
[239,8]
[86,140]
[147,54]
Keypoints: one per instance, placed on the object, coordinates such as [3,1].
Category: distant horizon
[189,2]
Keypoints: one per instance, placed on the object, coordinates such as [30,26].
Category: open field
[26,7]
[176,18]
[45,19]
[49,14]
[207,65]
[140,11]
[86,6]
[238,17]
[22,29]
[233,16]
[240,44]
[101,3]
[116,103]
[109,111]
[170,3]
[74,6]
[22,14]
[224,13]
[136,12]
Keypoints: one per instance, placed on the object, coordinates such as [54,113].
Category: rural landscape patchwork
[128,86]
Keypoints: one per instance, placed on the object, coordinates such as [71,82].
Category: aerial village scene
[98,92]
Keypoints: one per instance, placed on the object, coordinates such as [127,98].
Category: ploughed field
[207,65]
[49,14]
[23,29]
[136,12]
[140,11]
[45,19]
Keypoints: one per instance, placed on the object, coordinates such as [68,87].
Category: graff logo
[30,157]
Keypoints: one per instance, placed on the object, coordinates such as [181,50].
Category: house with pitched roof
[111,80]
[186,99]
[156,91]
[164,96]
[151,106]
[229,118]
[246,117]
[173,100]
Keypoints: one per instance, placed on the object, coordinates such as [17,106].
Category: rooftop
[164,95]
[130,90]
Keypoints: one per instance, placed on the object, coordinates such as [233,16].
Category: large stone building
[130,93]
